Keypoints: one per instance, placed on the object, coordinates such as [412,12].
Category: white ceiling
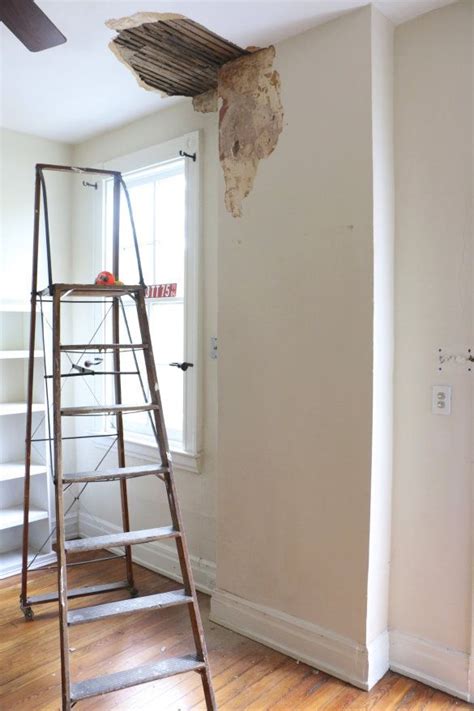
[79,89]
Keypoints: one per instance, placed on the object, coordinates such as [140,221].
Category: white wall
[19,154]
[296,330]
[197,491]
[382,416]
[431,589]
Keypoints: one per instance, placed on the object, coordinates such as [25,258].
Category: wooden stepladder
[58,294]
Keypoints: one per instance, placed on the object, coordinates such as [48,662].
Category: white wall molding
[154,556]
[378,656]
[307,642]
[433,664]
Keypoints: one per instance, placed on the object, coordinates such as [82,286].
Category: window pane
[170,225]
[167,328]
[158,202]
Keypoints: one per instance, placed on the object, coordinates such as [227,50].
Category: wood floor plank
[247,676]
[393,699]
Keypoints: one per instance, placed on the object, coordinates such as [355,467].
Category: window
[163,193]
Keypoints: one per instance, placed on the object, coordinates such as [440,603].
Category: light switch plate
[441,400]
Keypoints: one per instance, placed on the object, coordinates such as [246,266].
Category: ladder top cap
[76,169]
[92,289]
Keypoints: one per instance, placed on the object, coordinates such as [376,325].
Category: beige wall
[431,593]
[197,491]
[295,351]
[19,154]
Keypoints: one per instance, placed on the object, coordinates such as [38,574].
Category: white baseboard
[154,556]
[443,668]
[320,648]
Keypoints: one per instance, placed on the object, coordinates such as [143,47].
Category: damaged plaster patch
[250,121]
[170,53]
[205,103]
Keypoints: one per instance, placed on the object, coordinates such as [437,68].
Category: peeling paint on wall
[250,121]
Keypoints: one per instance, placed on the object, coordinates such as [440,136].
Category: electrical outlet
[441,400]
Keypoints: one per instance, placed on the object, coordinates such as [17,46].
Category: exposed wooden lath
[176,56]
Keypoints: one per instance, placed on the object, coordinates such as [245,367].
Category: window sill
[144,448]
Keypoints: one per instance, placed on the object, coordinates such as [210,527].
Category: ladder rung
[114,474]
[120,539]
[106,409]
[123,607]
[132,677]
[104,346]
[78,592]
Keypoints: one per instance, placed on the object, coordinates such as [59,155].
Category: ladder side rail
[117,379]
[59,500]
[181,544]
[47,232]
[29,405]
[134,232]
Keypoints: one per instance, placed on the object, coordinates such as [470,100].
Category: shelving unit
[14,320]
[16,355]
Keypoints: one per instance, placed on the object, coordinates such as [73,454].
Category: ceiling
[79,89]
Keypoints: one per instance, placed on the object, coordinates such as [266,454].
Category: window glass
[159,204]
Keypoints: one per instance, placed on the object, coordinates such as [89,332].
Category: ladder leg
[186,571]
[183,554]
[59,499]
[121,443]
[26,609]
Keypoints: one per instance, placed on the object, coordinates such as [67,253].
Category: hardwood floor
[246,674]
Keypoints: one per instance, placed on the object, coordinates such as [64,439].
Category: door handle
[184,366]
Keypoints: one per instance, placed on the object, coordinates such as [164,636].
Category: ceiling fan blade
[29,23]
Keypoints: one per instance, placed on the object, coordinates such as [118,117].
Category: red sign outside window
[161,291]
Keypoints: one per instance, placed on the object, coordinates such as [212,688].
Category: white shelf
[10,562]
[19,408]
[16,470]
[15,306]
[13,516]
[17,355]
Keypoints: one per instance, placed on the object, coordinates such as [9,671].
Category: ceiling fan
[29,23]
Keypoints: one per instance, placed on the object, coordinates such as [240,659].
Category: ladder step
[133,677]
[106,409]
[123,607]
[104,347]
[115,473]
[78,592]
[129,538]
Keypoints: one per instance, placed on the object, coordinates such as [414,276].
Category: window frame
[143,446]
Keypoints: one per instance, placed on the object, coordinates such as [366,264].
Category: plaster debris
[250,121]
[171,54]
[206,103]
